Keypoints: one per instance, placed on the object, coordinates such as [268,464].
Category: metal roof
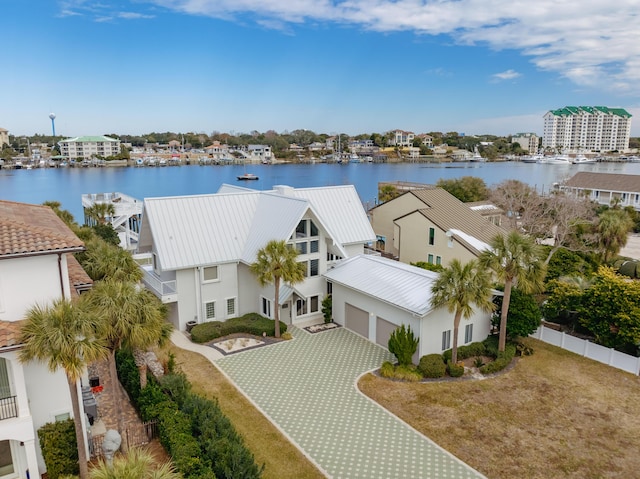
[615,182]
[399,284]
[191,231]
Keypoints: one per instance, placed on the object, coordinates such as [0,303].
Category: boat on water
[477,157]
[555,160]
[247,176]
[532,158]
[580,159]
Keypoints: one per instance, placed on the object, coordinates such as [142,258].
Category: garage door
[383,330]
[357,320]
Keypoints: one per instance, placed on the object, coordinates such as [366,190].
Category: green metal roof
[574,110]
[94,139]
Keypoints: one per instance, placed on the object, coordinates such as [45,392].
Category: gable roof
[399,284]
[33,229]
[449,213]
[604,182]
[191,231]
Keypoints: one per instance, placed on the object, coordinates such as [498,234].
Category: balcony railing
[8,407]
[163,288]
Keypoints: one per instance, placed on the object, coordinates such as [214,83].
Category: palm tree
[127,315]
[100,211]
[106,261]
[137,464]
[459,287]
[62,335]
[612,228]
[274,263]
[516,260]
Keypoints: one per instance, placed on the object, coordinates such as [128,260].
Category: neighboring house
[401,138]
[373,296]
[4,137]
[594,128]
[126,220]
[196,251]
[605,188]
[431,225]
[89,146]
[36,267]
[527,141]
[488,210]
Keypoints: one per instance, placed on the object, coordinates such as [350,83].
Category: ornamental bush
[59,448]
[403,344]
[455,370]
[251,323]
[432,366]
[503,359]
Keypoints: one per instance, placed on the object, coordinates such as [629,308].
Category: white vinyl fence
[589,350]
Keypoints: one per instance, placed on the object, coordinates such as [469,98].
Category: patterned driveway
[307,387]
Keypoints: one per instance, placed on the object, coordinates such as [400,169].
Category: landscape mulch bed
[266,341]
[320,328]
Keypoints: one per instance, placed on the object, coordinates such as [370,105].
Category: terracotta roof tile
[78,278]
[9,333]
[28,228]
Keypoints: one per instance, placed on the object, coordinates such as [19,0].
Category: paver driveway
[307,388]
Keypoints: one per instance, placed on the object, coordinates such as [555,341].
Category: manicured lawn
[268,445]
[554,414]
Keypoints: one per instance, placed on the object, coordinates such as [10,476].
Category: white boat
[247,176]
[353,158]
[477,157]
[139,162]
[580,159]
[532,159]
[555,160]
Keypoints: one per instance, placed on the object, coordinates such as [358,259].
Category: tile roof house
[605,188]
[196,250]
[431,225]
[372,296]
[36,266]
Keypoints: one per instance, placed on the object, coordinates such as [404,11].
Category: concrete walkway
[307,388]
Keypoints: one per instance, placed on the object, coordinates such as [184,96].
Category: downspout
[198,288]
[60,275]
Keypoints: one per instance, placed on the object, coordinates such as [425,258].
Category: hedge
[251,323]
[59,448]
[432,366]
[201,440]
[503,359]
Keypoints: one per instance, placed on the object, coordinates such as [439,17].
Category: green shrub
[466,351]
[432,366]
[59,448]
[455,370]
[177,387]
[286,336]
[407,373]
[251,323]
[403,344]
[387,370]
[327,309]
[503,359]
[491,346]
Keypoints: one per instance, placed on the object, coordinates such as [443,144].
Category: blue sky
[354,66]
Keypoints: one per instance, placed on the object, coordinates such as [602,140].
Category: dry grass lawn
[553,415]
[282,460]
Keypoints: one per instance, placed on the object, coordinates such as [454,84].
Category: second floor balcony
[164,287]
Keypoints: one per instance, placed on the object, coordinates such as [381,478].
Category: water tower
[53,123]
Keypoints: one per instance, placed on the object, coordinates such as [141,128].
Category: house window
[266,307]
[301,229]
[6,459]
[446,340]
[62,417]
[329,287]
[5,385]
[438,259]
[301,307]
[210,310]
[432,236]
[302,247]
[231,307]
[313,229]
[430,259]
[468,333]
[313,304]
[210,273]
[314,265]
[314,246]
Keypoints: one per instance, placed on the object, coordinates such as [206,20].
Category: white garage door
[383,330]
[357,320]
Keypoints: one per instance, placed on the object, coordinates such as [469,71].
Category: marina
[67,185]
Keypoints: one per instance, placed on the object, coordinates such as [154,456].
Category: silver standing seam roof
[401,285]
[201,230]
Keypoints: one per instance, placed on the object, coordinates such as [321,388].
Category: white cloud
[592,43]
[506,75]
[133,15]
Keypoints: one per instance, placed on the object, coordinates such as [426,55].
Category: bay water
[67,185]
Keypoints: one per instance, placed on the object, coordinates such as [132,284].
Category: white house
[605,188]
[196,250]
[36,266]
[373,296]
[89,146]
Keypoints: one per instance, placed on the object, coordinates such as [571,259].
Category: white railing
[163,288]
[590,350]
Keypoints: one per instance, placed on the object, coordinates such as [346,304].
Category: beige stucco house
[431,225]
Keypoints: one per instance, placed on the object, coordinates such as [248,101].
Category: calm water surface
[67,185]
